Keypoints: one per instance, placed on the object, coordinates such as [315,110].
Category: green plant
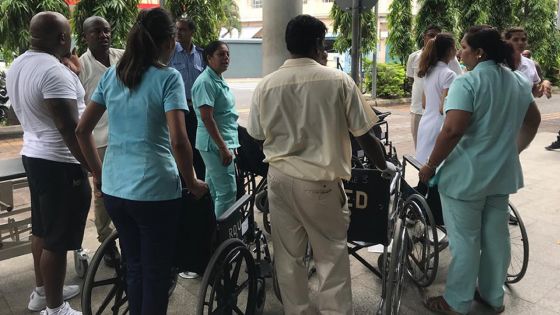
[434,12]
[400,26]
[342,26]
[500,13]
[391,79]
[208,15]
[15,16]
[538,17]
[121,14]
[470,13]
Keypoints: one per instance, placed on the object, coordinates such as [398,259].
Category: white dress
[438,79]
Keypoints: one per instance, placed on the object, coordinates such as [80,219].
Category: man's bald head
[92,21]
[50,32]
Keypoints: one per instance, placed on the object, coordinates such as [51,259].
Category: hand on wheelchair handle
[390,171]
[425,174]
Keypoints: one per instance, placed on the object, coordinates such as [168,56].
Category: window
[328,1]
[256,3]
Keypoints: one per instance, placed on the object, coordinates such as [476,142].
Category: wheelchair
[433,213]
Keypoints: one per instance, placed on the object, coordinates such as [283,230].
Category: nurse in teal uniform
[490,118]
[216,136]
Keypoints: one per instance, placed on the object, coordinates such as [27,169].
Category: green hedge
[391,80]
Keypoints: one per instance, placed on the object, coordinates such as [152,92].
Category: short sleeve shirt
[304,112]
[138,163]
[92,70]
[412,67]
[32,78]
[210,89]
[190,65]
[529,70]
[485,162]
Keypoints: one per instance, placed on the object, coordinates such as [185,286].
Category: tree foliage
[121,14]
[434,12]
[232,20]
[208,15]
[538,17]
[501,13]
[400,24]
[473,12]
[342,26]
[15,16]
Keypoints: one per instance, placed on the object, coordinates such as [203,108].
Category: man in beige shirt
[303,113]
[93,64]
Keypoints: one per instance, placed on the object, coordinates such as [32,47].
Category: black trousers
[192,124]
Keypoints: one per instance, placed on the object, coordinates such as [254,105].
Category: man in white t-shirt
[47,98]
[412,66]
[517,37]
[93,64]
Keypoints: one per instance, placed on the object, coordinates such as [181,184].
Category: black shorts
[60,200]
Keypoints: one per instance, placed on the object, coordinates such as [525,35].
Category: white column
[276,15]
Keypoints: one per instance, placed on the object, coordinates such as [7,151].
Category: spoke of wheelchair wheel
[105,282]
[237,310]
[237,268]
[107,299]
[240,288]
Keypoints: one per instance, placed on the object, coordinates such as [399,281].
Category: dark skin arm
[84,130]
[454,127]
[373,149]
[64,113]
[207,116]
[529,127]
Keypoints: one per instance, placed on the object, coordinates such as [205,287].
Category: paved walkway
[538,203]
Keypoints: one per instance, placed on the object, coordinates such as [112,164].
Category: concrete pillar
[276,15]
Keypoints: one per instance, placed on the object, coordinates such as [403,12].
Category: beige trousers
[102,219]
[414,123]
[315,212]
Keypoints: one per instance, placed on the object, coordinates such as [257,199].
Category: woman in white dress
[437,79]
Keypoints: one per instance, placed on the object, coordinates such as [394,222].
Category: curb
[383,102]
[8,132]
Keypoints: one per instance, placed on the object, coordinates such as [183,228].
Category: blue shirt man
[189,61]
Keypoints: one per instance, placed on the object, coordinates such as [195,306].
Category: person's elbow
[452,131]
[179,144]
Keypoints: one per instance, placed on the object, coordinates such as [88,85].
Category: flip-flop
[439,305]
[479,299]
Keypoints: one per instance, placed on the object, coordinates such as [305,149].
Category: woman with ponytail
[434,61]
[490,118]
[148,142]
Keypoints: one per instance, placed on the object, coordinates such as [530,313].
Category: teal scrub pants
[480,249]
[220,180]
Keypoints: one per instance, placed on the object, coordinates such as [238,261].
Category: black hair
[437,49]
[211,49]
[152,28]
[508,33]
[433,27]
[189,22]
[304,35]
[489,40]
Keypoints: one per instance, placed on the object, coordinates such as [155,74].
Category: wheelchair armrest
[413,161]
[239,204]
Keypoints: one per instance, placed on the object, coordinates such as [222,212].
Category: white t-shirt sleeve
[57,83]
[448,78]
[410,66]
[536,79]
[455,66]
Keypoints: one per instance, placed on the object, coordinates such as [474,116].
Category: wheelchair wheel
[108,284]
[105,284]
[229,284]
[519,247]
[423,256]
[396,271]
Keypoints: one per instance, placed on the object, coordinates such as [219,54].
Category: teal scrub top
[485,162]
[138,163]
[211,89]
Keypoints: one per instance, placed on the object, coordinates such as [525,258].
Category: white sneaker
[64,310]
[188,275]
[38,302]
